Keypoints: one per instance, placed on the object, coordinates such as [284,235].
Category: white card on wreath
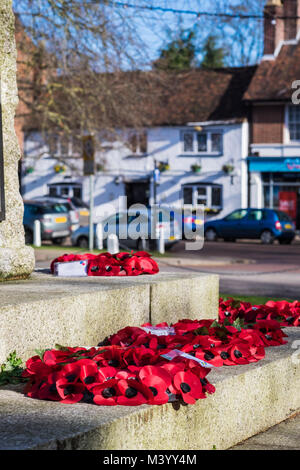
[71,269]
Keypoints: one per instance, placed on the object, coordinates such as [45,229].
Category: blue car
[264,224]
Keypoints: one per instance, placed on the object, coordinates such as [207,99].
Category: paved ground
[272,270]
[284,436]
[245,268]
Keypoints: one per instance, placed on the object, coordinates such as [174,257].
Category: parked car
[71,208]
[265,224]
[117,223]
[54,217]
[82,208]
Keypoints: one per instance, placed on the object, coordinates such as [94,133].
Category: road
[247,268]
[272,270]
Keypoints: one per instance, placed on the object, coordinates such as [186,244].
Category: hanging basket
[163,167]
[228,169]
[59,168]
[196,168]
[29,170]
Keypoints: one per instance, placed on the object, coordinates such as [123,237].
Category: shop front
[279,184]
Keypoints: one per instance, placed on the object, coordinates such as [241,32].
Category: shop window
[294,123]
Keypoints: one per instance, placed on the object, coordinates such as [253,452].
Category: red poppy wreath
[156,365]
[106,264]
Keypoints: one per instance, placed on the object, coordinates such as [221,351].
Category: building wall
[267,124]
[164,144]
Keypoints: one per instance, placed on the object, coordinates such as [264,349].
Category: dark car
[264,224]
[54,217]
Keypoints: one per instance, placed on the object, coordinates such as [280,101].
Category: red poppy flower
[158,380]
[272,335]
[48,390]
[70,373]
[112,357]
[132,266]
[126,374]
[55,357]
[133,393]
[89,375]
[35,366]
[211,356]
[106,394]
[106,373]
[70,392]
[188,386]
[239,353]
[104,267]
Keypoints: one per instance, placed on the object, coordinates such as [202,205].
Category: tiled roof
[196,95]
[273,78]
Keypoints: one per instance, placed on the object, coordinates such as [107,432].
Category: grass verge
[253,299]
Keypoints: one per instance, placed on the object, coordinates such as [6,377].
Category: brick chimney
[273,26]
[291,8]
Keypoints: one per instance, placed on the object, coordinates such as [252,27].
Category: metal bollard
[37,238]
[161,244]
[99,236]
[112,244]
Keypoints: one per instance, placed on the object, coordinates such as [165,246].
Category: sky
[241,39]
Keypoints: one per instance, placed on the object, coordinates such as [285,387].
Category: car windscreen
[56,208]
[283,216]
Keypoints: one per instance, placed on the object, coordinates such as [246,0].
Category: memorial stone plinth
[16,259]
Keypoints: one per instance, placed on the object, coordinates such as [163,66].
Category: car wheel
[211,235]
[285,242]
[267,237]
[28,237]
[83,242]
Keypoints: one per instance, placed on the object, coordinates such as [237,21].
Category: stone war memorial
[143,345]
[16,259]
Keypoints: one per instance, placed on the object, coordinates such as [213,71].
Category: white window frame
[139,136]
[208,133]
[287,132]
[208,197]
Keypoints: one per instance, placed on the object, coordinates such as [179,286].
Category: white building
[203,152]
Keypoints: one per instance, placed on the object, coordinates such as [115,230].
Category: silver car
[54,217]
